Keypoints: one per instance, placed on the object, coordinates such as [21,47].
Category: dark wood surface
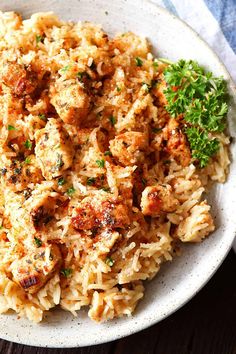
[206,325]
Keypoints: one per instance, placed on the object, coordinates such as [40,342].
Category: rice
[79,160]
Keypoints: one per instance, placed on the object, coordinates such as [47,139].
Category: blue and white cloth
[214,20]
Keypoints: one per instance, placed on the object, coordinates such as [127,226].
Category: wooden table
[206,325]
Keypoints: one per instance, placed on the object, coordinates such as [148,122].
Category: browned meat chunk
[20,79]
[34,270]
[157,199]
[54,150]
[71,104]
[105,214]
[129,148]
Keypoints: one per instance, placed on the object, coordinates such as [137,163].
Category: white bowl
[180,280]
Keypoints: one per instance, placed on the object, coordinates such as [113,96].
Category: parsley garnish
[42,117]
[201,99]
[107,153]
[196,94]
[118,88]
[28,144]
[66,272]
[10,127]
[106,189]
[202,147]
[38,38]
[91,181]
[27,160]
[100,163]
[65,68]
[112,120]
[61,181]
[138,61]
[109,261]
[70,191]
[38,242]
[155,64]
[157,130]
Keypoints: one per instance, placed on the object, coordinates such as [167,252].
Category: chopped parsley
[59,161]
[91,181]
[66,272]
[106,189]
[112,120]
[107,153]
[100,163]
[11,127]
[42,117]
[109,261]
[201,146]
[144,181]
[28,160]
[70,191]
[61,181]
[65,68]
[28,144]
[156,130]
[155,64]
[38,39]
[138,61]
[118,88]
[37,241]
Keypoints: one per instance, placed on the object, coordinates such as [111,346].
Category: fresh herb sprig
[201,99]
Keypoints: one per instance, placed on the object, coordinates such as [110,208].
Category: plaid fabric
[214,20]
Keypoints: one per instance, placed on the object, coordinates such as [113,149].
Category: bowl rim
[146,323]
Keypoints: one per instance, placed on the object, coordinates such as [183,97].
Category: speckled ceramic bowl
[180,280]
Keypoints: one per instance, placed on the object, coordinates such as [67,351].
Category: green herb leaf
[28,160]
[156,130]
[112,120]
[10,127]
[65,68]
[106,189]
[61,181]
[91,181]
[118,88]
[37,241]
[201,146]
[196,94]
[107,153]
[110,261]
[42,117]
[66,272]
[38,38]
[70,191]
[155,64]
[100,163]
[59,161]
[138,61]
[28,144]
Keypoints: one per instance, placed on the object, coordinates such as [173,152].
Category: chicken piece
[43,208]
[71,104]
[129,148]
[54,150]
[20,79]
[19,174]
[157,199]
[197,225]
[94,213]
[177,144]
[35,269]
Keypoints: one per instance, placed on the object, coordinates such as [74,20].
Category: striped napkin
[215,21]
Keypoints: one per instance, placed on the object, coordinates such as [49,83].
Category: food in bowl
[106,152]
